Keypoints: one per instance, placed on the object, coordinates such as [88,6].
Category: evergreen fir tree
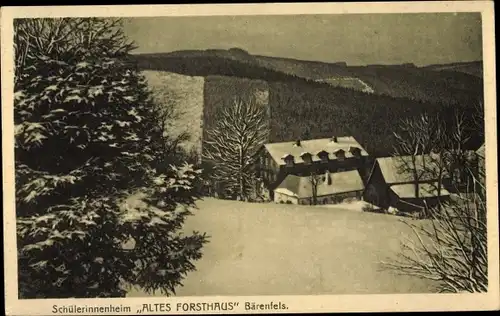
[87,141]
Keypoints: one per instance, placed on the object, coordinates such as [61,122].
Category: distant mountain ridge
[474,68]
[449,83]
[241,54]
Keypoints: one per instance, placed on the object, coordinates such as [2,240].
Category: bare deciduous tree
[478,118]
[450,247]
[315,180]
[231,146]
[420,149]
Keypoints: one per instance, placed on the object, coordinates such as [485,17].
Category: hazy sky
[422,38]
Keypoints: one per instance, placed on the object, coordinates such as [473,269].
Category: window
[323,155]
[340,154]
[289,160]
[355,151]
[307,157]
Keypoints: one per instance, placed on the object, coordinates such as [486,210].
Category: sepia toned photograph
[256,155]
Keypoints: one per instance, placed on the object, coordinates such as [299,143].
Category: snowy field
[272,249]
[185,95]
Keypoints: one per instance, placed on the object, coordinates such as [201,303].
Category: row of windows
[289,160]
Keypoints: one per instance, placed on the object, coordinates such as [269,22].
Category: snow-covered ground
[353,206]
[348,82]
[271,249]
[184,94]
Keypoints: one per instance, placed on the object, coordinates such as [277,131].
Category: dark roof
[340,182]
[278,151]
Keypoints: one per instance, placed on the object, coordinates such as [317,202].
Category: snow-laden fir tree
[86,140]
[232,144]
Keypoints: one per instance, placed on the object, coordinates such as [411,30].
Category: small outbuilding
[406,183]
[327,188]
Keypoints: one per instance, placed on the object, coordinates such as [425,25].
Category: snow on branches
[87,138]
[231,146]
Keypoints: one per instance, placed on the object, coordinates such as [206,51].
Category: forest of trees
[207,66]
[315,112]
[420,84]
[304,111]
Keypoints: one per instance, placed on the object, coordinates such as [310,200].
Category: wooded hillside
[300,107]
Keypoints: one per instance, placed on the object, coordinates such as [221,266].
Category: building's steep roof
[425,190]
[400,169]
[340,182]
[313,146]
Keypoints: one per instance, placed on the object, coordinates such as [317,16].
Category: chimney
[328,179]
[334,139]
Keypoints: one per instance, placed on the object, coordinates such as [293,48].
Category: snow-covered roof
[313,146]
[340,182]
[425,190]
[400,169]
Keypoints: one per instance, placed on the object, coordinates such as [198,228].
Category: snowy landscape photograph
[250,155]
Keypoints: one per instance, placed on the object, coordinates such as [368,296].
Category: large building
[303,159]
[408,183]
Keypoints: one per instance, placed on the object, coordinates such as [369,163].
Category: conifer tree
[87,141]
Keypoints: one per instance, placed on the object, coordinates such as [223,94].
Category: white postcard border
[317,303]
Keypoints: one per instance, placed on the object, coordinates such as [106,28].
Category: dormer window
[289,160]
[340,154]
[307,157]
[355,151]
[323,155]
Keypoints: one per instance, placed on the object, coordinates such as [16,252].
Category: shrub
[368,208]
